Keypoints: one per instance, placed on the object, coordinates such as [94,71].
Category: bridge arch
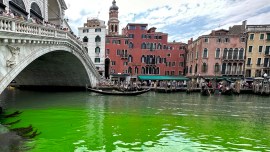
[22,69]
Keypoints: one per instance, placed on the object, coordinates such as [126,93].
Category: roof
[160,77]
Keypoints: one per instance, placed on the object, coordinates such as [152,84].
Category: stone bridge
[37,55]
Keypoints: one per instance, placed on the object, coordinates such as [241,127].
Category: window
[260,49]
[125,63]
[206,40]
[261,36]
[251,36]
[130,45]
[267,36]
[205,53]
[131,35]
[241,54]
[217,68]
[265,63]
[168,55]
[267,50]
[204,67]
[259,61]
[113,63]
[172,72]
[118,52]
[217,52]
[143,27]
[249,61]
[250,48]
[97,39]
[126,41]
[143,46]
[98,30]
[173,64]
[97,60]
[85,39]
[131,27]
[235,53]
[107,51]
[230,54]
[97,50]
[181,64]
[190,69]
[225,53]
[226,40]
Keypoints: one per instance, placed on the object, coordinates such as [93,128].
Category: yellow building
[257,50]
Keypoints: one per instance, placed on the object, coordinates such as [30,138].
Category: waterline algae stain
[83,121]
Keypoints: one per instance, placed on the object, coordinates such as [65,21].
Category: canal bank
[81,121]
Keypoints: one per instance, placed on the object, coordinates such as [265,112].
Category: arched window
[196,68]
[157,70]
[230,53]
[97,50]
[205,53]
[85,39]
[159,46]
[158,60]
[130,45]
[190,69]
[97,39]
[136,70]
[148,46]
[229,68]
[164,47]
[35,11]
[224,66]
[143,45]
[204,67]
[17,7]
[143,70]
[130,58]
[235,54]
[241,54]
[217,53]
[130,70]
[216,68]
[143,59]
[112,28]
[116,28]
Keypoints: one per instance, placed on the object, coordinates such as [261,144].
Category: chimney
[244,25]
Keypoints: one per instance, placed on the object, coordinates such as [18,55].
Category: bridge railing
[15,25]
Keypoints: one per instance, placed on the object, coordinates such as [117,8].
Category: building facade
[221,53]
[258,48]
[140,50]
[93,34]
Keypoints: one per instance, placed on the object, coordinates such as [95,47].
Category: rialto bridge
[34,54]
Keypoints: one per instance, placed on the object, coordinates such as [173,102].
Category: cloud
[180,19]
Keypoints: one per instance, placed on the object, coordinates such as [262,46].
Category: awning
[160,77]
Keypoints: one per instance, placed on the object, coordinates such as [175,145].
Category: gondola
[119,93]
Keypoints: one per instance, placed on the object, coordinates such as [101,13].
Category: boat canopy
[160,77]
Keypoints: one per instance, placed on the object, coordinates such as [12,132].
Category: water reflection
[82,121]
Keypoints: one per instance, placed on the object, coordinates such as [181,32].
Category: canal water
[83,121]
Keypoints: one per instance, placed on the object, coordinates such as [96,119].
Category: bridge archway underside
[59,68]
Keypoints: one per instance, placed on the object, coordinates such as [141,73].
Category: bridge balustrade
[13,25]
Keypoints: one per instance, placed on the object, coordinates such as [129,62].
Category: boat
[119,93]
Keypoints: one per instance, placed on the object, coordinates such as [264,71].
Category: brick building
[221,53]
[140,50]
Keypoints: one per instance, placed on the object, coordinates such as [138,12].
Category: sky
[181,19]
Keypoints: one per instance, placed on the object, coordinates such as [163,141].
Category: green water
[83,121]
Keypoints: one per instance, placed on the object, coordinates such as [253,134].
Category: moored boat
[119,93]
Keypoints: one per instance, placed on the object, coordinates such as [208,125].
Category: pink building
[221,53]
